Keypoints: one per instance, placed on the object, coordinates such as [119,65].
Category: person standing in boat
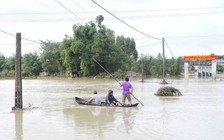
[111,100]
[95,99]
[127,90]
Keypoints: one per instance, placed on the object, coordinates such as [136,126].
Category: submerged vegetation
[168,91]
[74,56]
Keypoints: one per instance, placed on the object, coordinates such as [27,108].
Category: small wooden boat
[84,102]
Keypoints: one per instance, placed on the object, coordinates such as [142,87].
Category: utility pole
[18,77]
[163,82]
[142,68]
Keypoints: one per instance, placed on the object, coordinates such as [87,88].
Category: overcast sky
[190,27]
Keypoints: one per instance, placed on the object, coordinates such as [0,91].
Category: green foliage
[154,66]
[98,42]
[99,20]
[10,63]
[117,54]
[82,47]
[2,62]
[127,45]
[220,68]
[70,59]
[31,65]
[50,57]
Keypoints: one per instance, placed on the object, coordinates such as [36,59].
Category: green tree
[70,58]
[158,66]
[96,41]
[31,65]
[10,63]
[82,47]
[154,66]
[9,67]
[148,65]
[50,57]
[128,46]
[2,62]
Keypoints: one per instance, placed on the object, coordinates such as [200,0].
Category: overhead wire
[131,17]
[168,47]
[81,8]
[52,9]
[25,37]
[201,36]
[108,18]
[149,45]
[69,10]
[116,11]
[7,33]
[11,44]
[125,22]
[87,19]
[142,16]
[21,38]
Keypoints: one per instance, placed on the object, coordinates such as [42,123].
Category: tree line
[75,55]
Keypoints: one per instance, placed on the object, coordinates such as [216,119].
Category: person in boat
[95,99]
[111,100]
[127,90]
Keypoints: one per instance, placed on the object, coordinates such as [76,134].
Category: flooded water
[197,115]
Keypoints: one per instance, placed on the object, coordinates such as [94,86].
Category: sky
[189,27]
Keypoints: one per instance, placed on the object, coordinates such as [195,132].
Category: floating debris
[168,91]
[28,107]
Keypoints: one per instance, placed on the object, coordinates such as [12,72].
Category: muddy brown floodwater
[197,115]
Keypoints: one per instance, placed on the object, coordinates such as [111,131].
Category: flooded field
[197,115]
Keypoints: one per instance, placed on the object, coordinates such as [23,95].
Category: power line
[180,37]
[126,23]
[177,9]
[141,16]
[81,8]
[11,44]
[51,9]
[168,47]
[108,18]
[31,40]
[202,36]
[69,10]
[120,11]
[7,33]
[128,17]
[149,45]
[21,38]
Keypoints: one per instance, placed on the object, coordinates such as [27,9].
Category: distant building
[44,74]
[133,74]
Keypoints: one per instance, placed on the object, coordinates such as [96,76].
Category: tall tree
[50,57]
[82,46]
[10,63]
[9,67]
[70,59]
[31,65]
[2,62]
[128,46]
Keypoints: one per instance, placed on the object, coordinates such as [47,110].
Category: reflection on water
[18,125]
[197,115]
[128,120]
[99,120]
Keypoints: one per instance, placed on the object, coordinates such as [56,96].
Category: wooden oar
[137,99]
[114,78]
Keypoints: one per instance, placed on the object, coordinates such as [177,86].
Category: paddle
[137,99]
[114,78]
